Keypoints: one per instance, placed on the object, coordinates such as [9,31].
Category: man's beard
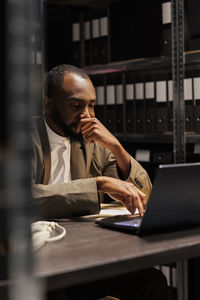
[67,130]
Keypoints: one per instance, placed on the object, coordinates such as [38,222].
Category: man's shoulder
[36,128]
[36,121]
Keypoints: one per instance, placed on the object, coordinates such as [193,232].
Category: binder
[88,38]
[119,107]
[95,40]
[170,99]
[166,24]
[104,39]
[161,156]
[166,27]
[76,43]
[110,107]
[193,8]
[197,104]
[100,34]
[130,107]
[100,103]
[150,106]
[140,107]
[189,108]
[161,106]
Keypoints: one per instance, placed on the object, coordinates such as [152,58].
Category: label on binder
[110,94]
[197,88]
[104,26]
[119,92]
[95,28]
[87,30]
[129,91]
[188,89]
[170,90]
[75,32]
[139,91]
[166,13]
[197,149]
[143,155]
[149,90]
[161,91]
[100,95]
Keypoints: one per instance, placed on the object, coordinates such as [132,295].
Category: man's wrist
[99,182]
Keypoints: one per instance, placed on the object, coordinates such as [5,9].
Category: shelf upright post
[178,71]
[22,90]
[179,139]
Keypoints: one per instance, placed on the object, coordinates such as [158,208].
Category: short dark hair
[55,77]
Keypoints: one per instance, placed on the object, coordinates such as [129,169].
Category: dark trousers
[148,284]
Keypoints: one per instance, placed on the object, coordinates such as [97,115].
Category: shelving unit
[176,70]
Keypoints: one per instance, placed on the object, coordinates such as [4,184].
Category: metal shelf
[162,138]
[153,63]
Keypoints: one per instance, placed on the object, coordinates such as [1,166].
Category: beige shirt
[60,148]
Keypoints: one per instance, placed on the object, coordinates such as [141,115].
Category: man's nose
[85,113]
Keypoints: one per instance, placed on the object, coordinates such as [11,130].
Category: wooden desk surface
[89,252]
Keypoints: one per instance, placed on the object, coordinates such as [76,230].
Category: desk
[89,252]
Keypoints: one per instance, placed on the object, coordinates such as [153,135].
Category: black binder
[130,104]
[193,8]
[189,107]
[196,81]
[140,107]
[100,100]
[111,104]
[150,105]
[162,111]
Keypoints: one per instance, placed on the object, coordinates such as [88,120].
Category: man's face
[74,101]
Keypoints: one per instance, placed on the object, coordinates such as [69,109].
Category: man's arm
[125,192]
[77,197]
[93,130]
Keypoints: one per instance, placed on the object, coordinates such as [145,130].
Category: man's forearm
[123,159]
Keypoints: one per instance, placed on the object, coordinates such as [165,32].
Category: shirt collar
[54,138]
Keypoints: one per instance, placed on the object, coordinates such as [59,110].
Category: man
[76,158]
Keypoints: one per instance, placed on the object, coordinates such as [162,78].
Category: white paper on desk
[114,212]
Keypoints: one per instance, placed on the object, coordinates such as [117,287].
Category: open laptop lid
[174,202]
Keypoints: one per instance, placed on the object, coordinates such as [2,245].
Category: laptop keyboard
[134,223]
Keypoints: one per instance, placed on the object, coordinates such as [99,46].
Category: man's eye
[76,105]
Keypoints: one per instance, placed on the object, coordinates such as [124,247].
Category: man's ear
[48,103]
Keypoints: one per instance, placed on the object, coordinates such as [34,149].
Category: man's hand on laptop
[125,192]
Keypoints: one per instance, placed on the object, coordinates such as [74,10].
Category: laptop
[174,203]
